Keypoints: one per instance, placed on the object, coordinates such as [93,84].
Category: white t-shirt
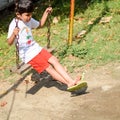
[28,48]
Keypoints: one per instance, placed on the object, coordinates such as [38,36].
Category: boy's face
[25,17]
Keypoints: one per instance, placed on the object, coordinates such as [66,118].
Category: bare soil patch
[48,100]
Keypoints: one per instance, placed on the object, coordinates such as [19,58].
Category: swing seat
[24,67]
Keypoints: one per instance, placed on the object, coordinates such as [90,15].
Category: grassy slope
[101,43]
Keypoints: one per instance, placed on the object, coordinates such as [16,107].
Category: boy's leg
[61,71]
[56,75]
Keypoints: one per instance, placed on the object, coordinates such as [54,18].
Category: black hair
[23,6]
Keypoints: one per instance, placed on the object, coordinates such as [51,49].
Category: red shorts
[40,61]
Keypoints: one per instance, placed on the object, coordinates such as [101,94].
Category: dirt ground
[48,100]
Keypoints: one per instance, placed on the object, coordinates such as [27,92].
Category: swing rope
[17,46]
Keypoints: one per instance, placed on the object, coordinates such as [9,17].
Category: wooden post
[72,4]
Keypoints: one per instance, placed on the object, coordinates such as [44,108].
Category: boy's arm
[11,39]
[45,15]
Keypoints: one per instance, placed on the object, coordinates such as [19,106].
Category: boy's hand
[13,36]
[49,10]
[45,15]
[16,31]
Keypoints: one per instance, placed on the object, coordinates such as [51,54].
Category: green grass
[100,45]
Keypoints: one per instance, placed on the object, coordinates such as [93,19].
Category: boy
[20,33]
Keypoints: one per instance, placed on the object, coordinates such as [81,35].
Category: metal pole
[72,4]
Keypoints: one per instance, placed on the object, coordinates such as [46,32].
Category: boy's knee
[49,68]
[53,59]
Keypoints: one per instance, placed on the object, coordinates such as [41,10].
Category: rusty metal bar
[72,5]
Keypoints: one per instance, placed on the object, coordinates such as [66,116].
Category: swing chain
[48,32]
[48,27]
[17,46]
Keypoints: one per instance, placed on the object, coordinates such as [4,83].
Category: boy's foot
[79,86]
[78,79]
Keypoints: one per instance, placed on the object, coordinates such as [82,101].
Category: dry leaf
[79,19]
[81,33]
[2,104]
[95,40]
[56,20]
[105,19]
[16,90]
[55,32]
[1,68]
[26,81]
[90,22]
[88,66]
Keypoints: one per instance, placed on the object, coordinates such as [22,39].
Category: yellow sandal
[79,86]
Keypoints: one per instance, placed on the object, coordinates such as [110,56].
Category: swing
[22,67]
